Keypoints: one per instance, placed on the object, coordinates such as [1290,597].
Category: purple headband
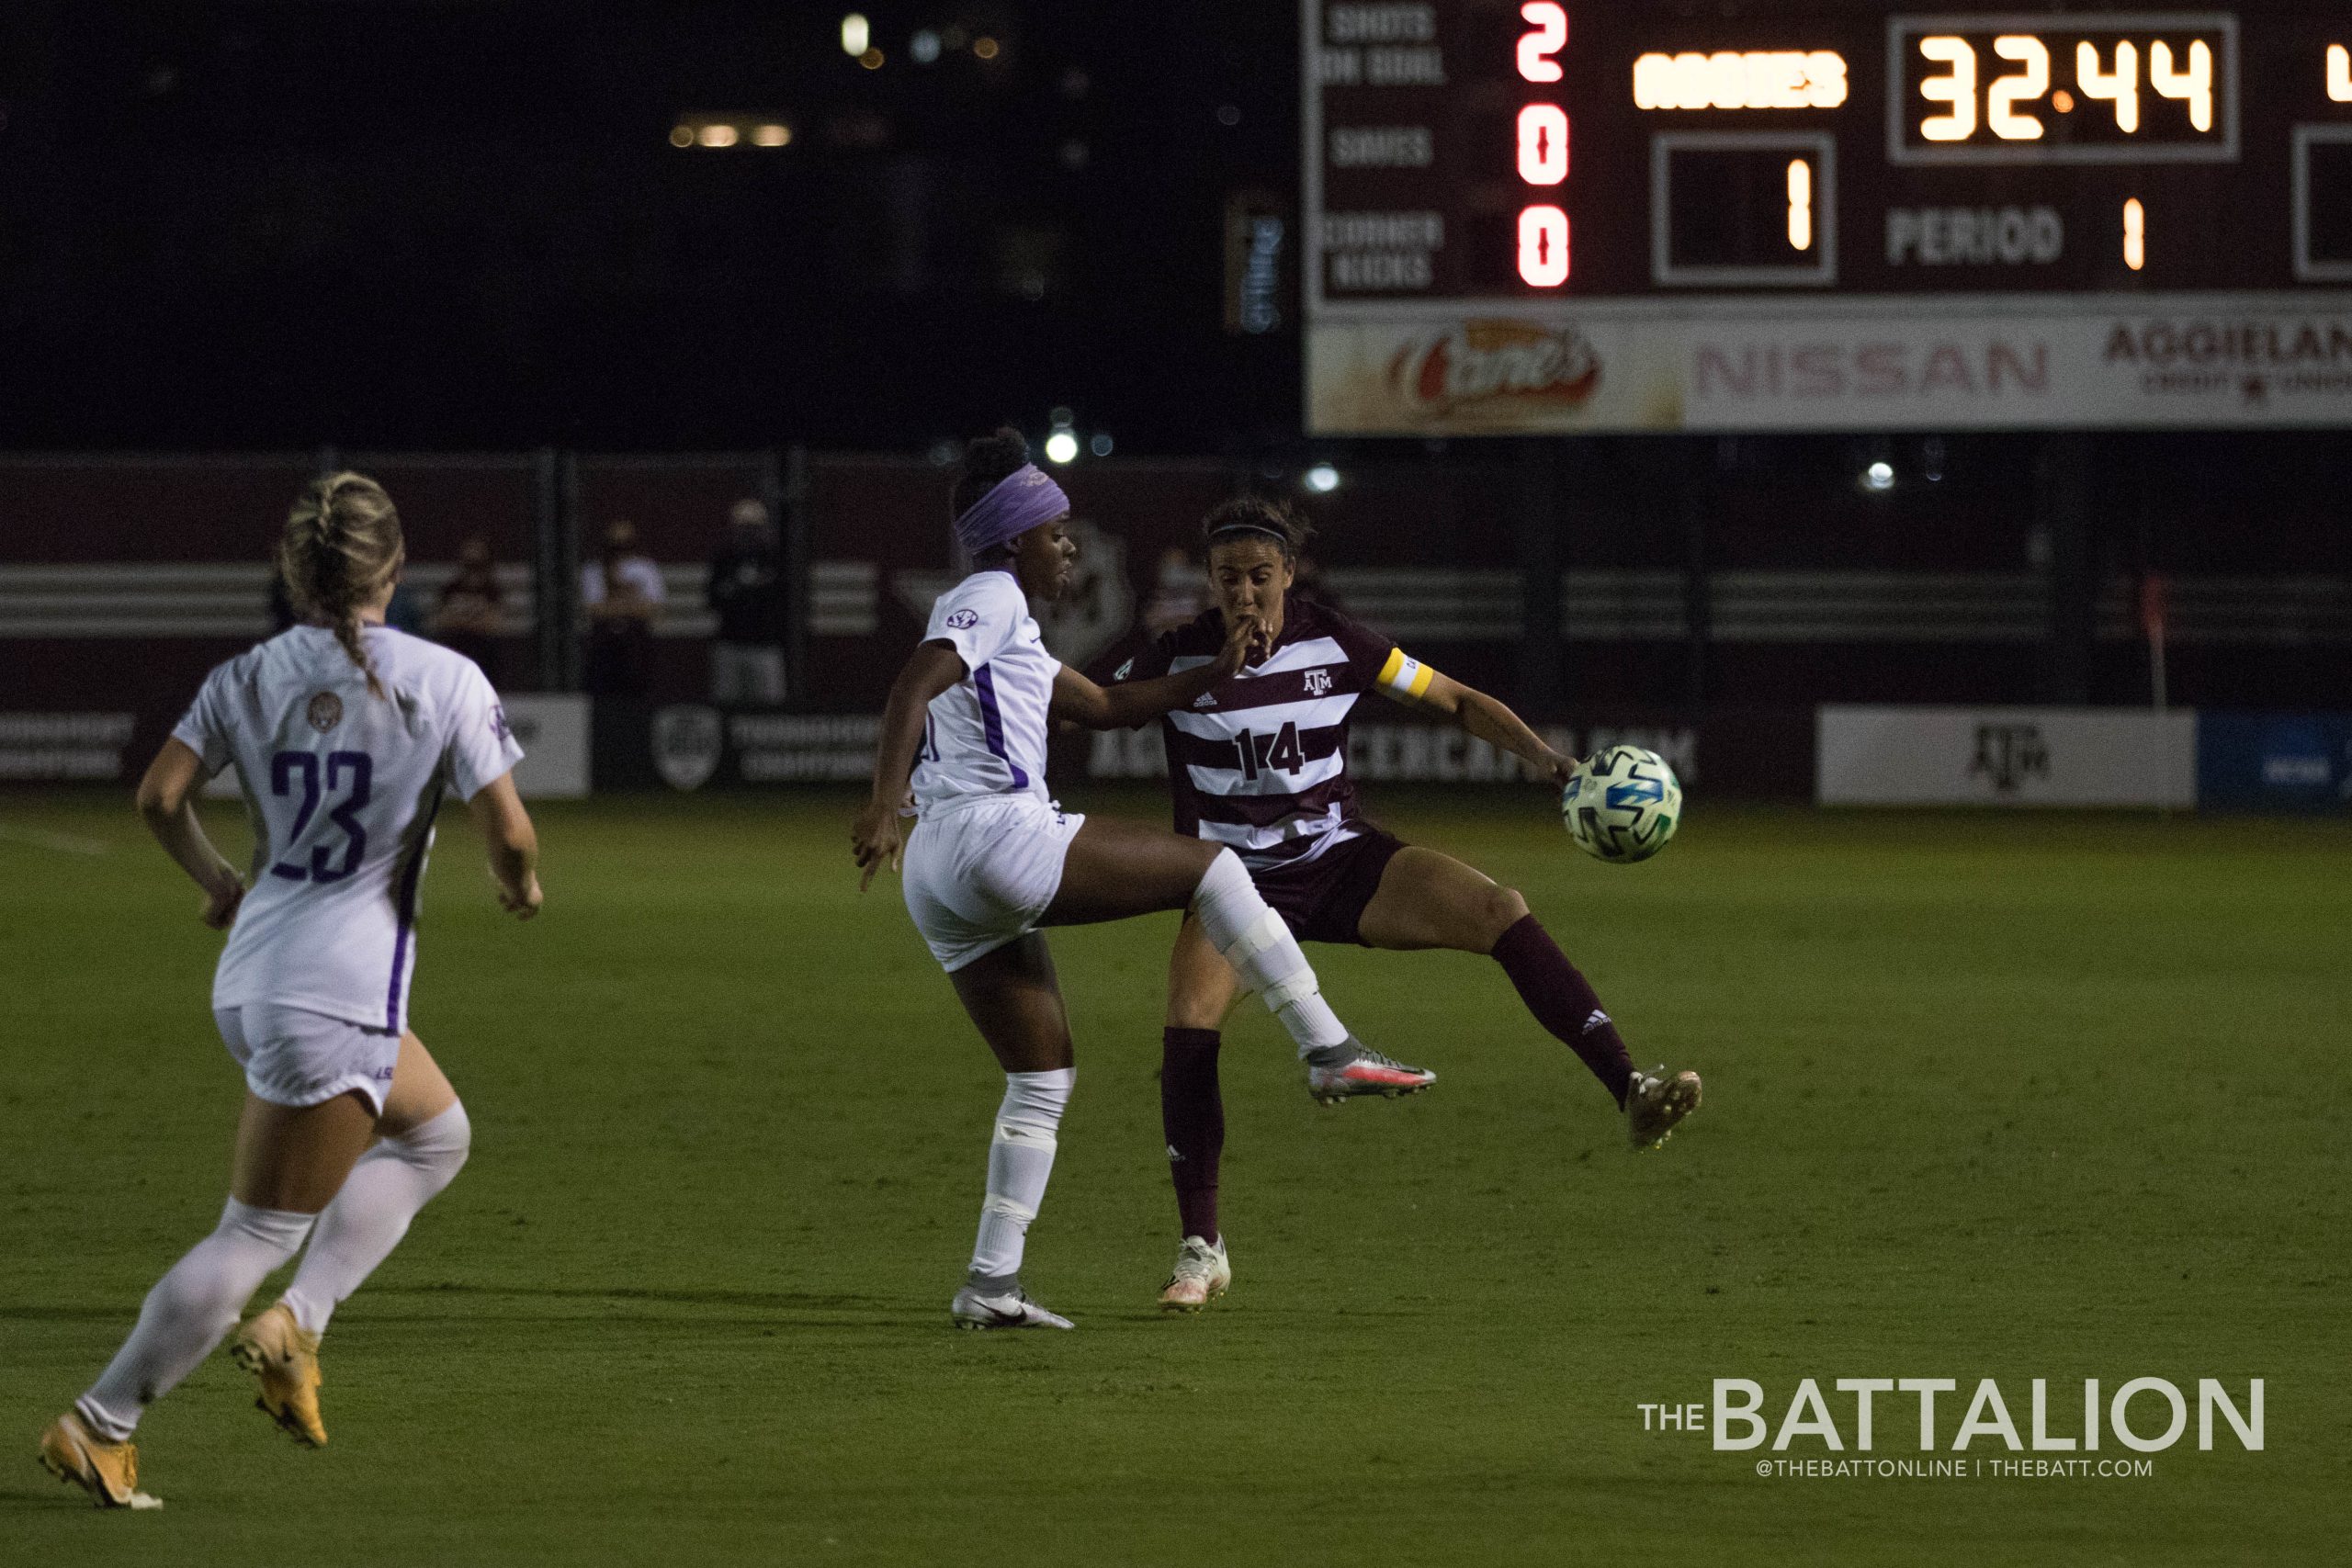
[1018,502]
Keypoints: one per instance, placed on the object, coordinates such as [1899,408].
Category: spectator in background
[1180,595]
[746,593]
[621,591]
[406,612]
[1307,582]
[469,617]
[402,614]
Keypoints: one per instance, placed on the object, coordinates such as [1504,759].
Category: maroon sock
[1192,1113]
[1563,1001]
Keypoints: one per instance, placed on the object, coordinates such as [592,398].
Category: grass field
[2057,1097]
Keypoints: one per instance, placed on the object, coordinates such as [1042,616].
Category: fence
[1610,591]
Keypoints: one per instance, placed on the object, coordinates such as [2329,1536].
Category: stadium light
[1322,478]
[857,35]
[926,47]
[1879,475]
[1060,446]
[1099,444]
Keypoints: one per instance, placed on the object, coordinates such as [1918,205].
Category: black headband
[1275,534]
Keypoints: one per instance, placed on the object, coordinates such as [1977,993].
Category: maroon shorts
[1322,899]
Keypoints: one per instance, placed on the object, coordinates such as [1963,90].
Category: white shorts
[978,877]
[295,1056]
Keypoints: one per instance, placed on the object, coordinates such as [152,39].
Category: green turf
[2056,1096]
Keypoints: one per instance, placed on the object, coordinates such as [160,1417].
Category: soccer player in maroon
[1258,764]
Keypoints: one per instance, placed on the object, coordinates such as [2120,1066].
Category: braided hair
[341,549]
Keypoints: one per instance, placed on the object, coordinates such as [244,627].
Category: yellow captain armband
[1405,677]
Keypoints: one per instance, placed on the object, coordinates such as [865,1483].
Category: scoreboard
[1561,215]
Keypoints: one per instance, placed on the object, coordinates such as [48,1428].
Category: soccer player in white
[991,860]
[345,737]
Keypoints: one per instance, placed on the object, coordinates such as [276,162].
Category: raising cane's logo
[1495,363]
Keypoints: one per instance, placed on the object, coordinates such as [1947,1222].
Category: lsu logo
[1319,683]
[963,620]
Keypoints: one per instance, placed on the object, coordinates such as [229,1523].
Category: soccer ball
[1622,804]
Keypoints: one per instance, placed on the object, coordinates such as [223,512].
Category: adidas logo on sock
[1175,1156]
[1596,1021]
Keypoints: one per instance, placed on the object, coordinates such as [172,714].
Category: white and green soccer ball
[1622,804]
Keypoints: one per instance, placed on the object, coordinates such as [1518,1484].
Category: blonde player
[346,736]
[991,859]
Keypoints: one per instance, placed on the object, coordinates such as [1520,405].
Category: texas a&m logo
[2010,753]
[1319,683]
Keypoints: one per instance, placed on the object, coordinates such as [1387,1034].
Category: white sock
[190,1309]
[1262,951]
[368,1218]
[1020,1160]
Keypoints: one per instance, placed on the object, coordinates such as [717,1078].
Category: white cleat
[1203,1274]
[1013,1309]
[1656,1104]
[1365,1072]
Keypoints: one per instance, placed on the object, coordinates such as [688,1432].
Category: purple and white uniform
[986,856]
[342,786]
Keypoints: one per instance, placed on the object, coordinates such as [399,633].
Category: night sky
[464,224]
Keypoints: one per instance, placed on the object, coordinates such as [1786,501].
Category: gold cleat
[107,1471]
[1656,1104]
[275,1349]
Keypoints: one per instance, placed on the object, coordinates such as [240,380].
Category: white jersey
[985,735]
[342,786]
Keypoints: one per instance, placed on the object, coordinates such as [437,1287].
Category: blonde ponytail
[342,547]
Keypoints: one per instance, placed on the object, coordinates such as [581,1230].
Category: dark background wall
[457,223]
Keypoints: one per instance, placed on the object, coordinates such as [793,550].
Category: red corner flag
[2152,607]
[2152,623]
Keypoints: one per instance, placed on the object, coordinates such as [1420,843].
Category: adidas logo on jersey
[1205,701]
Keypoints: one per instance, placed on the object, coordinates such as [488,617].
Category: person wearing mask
[469,618]
[621,591]
[746,593]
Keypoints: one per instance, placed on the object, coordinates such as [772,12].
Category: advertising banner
[1943,363]
[2274,761]
[1758,753]
[2021,756]
[685,746]
[553,732]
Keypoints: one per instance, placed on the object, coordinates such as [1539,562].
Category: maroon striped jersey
[1259,762]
